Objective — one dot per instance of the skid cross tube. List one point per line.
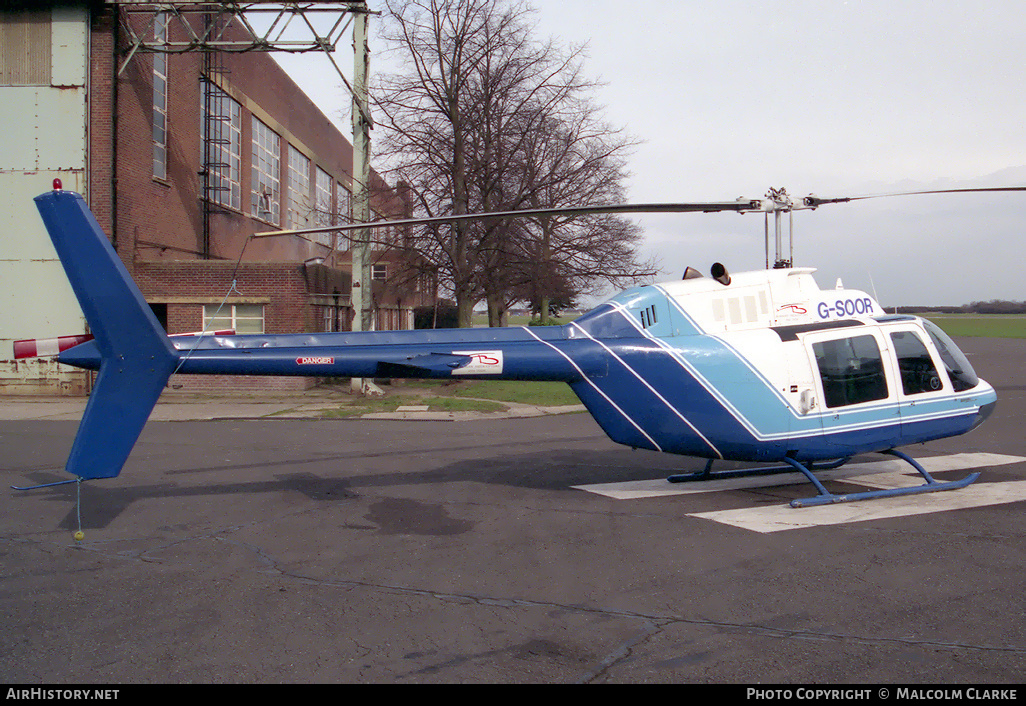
(931, 485)
(825, 497)
(708, 474)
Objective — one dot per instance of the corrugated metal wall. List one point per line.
(25, 48)
(43, 135)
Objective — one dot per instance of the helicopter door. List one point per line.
(918, 376)
(856, 385)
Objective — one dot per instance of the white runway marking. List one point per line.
(891, 473)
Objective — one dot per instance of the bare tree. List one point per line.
(576, 161)
(483, 119)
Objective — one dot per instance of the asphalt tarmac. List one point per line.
(381, 551)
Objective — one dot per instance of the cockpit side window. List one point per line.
(962, 375)
(851, 369)
(918, 373)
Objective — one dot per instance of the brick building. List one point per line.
(182, 156)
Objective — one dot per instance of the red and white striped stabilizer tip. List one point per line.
(43, 347)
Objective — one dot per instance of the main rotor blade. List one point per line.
(741, 205)
(812, 201)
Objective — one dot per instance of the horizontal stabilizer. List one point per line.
(418, 365)
(43, 347)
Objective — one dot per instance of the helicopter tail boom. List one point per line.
(135, 357)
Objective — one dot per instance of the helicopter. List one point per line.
(759, 366)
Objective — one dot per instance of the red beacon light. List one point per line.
(57, 185)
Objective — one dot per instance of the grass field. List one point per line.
(988, 326)
(453, 396)
(544, 394)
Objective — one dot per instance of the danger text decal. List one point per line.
(314, 360)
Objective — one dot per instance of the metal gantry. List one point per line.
(213, 26)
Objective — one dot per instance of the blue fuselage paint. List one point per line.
(686, 394)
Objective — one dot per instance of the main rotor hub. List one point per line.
(777, 200)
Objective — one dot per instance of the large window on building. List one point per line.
(160, 64)
(323, 213)
(344, 207)
(222, 146)
(297, 215)
(266, 197)
(242, 318)
(382, 234)
(852, 370)
(343, 214)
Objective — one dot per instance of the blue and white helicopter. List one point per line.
(752, 367)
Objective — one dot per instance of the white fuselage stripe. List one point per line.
(597, 389)
(652, 389)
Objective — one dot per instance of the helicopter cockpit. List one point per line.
(961, 372)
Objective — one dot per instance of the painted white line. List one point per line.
(778, 518)
(862, 473)
(890, 473)
(659, 487)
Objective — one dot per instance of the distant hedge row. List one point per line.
(994, 306)
(441, 316)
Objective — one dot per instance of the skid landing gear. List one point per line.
(825, 497)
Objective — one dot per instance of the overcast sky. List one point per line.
(822, 96)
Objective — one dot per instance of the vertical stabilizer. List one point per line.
(136, 356)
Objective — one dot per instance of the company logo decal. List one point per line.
(481, 363)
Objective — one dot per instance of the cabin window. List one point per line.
(962, 375)
(852, 371)
(918, 373)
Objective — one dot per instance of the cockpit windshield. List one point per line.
(963, 377)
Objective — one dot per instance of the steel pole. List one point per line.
(362, 298)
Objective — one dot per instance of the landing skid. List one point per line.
(46, 485)
(825, 497)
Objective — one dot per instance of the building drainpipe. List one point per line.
(114, 133)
